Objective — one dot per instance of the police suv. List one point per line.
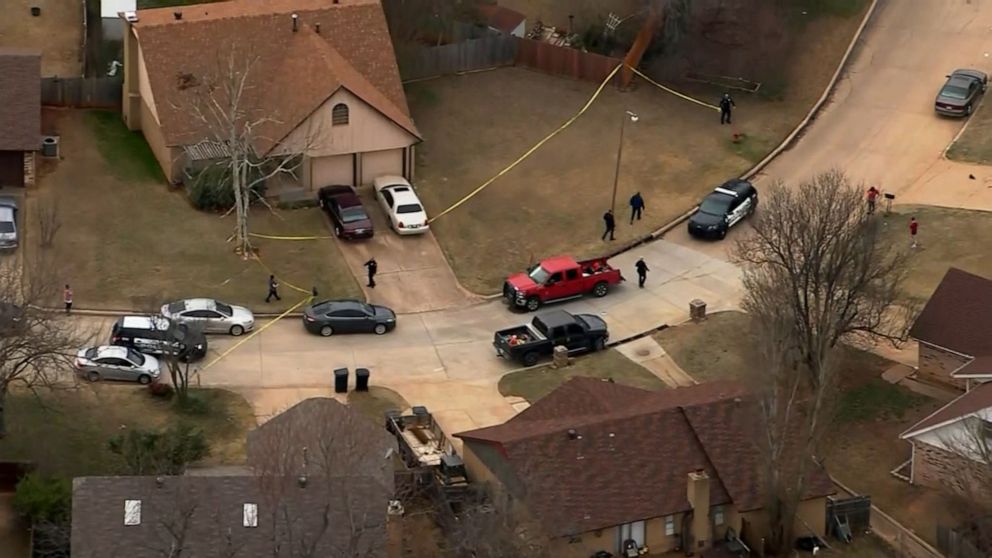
(728, 205)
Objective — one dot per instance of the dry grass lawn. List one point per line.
(57, 33)
(975, 143)
(128, 242)
(376, 401)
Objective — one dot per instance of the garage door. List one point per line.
(378, 163)
(11, 168)
(328, 171)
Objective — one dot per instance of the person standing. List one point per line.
(914, 226)
(372, 268)
(610, 223)
(726, 104)
(67, 298)
(872, 195)
(636, 206)
(273, 289)
(642, 272)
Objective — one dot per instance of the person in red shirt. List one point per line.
(67, 299)
(872, 194)
(914, 225)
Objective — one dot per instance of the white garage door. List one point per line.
(328, 171)
(378, 163)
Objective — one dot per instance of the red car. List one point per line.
(346, 211)
(559, 278)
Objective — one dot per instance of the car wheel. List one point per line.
(601, 289)
(721, 234)
(237, 330)
(531, 358)
(326, 331)
(93, 377)
(533, 303)
(144, 379)
(599, 344)
(379, 329)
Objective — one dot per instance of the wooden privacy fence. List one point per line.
(91, 92)
(950, 542)
(563, 61)
(464, 56)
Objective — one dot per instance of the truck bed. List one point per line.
(526, 333)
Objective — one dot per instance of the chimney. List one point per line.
(698, 494)
(177, 14)
(316, 27)
(295, 22)
(336, 2)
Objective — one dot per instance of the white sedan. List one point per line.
(401, 204)
(111, 362)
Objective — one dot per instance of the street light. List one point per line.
(616, 176)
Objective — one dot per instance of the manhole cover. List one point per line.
(643, 352)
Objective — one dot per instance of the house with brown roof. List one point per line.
(952, 448)
(504, 20)
(20, 115)
(599, 463)
(322, 83)
(954, 331)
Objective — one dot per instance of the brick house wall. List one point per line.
(938, 468)
(936, 365)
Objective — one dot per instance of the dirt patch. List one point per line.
(57, 32)
(128, 242)
(975, 143)
(376, 401)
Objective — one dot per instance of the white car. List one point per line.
(112, 362)
(401, 204)
(8, 222)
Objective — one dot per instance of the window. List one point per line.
(572, 274)
(132, 512)
(250, 515)
(718, 515)
(669, 525)
(339, 115)
(555, 278)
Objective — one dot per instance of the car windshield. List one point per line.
(135, 357)
(352, 214)
(954, 92)
(715, 205)
(6, 227)
(92, 352)
(538, 274)
(409, 208)
(177, 307)
(224, 308)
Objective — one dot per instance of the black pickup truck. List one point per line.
(526, 344)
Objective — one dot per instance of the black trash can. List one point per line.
(361, 379)
(341, 380)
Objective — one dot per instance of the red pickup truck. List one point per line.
(559, 278)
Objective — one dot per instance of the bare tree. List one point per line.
(178, 360)
(970, 480)
(414, 23)
(816, 274)
(490, 526)
(49, 222)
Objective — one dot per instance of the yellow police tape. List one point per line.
(254, 333)
(287, 283)
(672, 91)
(273, 237)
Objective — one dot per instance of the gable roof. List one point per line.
(631, 452)
(975, 400)
(958, 317)
(291, 73)
(20, 100)
(502, 18)
(208, 513)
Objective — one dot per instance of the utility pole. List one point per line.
(616, 175)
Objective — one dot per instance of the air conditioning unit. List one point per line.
(50, 147)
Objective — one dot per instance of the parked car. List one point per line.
(157, 336)
(8, 222)
(348, 316)
(210, 316)
(528, 343)
(110, 362)
(346, 211)
(960, 92)
(402, 206)
(559, 278)
(726, 206)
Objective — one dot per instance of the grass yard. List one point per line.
(129, 242)
(376, 401)
(533, 384)
(703, 351)
(975, 143)
(947, 237)
(65, 432)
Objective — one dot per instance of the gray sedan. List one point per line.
(210, 315)
(113, 362)
(960, 93)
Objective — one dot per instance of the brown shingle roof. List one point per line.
(20, 100)
(635, 452)
(499, 17)
(958, 317)
(292, 73)
(208, 513)
(975, 400)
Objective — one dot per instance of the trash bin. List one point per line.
(341, 380)
(361, 379)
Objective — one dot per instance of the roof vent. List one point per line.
(302, 481)
(177, 14)
(336, 2)
(296, 19)
(316, 27)
(131, 17)
(737, 401)
(160, 481)
(572, 434)
(612, 435)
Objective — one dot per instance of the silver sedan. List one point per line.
(211, 316)
(113, 362)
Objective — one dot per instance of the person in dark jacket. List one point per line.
(642, 272)
(273, 289)
(611, 225)
(372, 267)
(636, 207)
(726, 104)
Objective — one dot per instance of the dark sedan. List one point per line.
(348, 316)
(726, 206)
(961, 92)
(346, 211)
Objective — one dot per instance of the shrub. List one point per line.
(192, 404)
(210, 188)
(162, 452)
(40, 498)
(161, 389)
